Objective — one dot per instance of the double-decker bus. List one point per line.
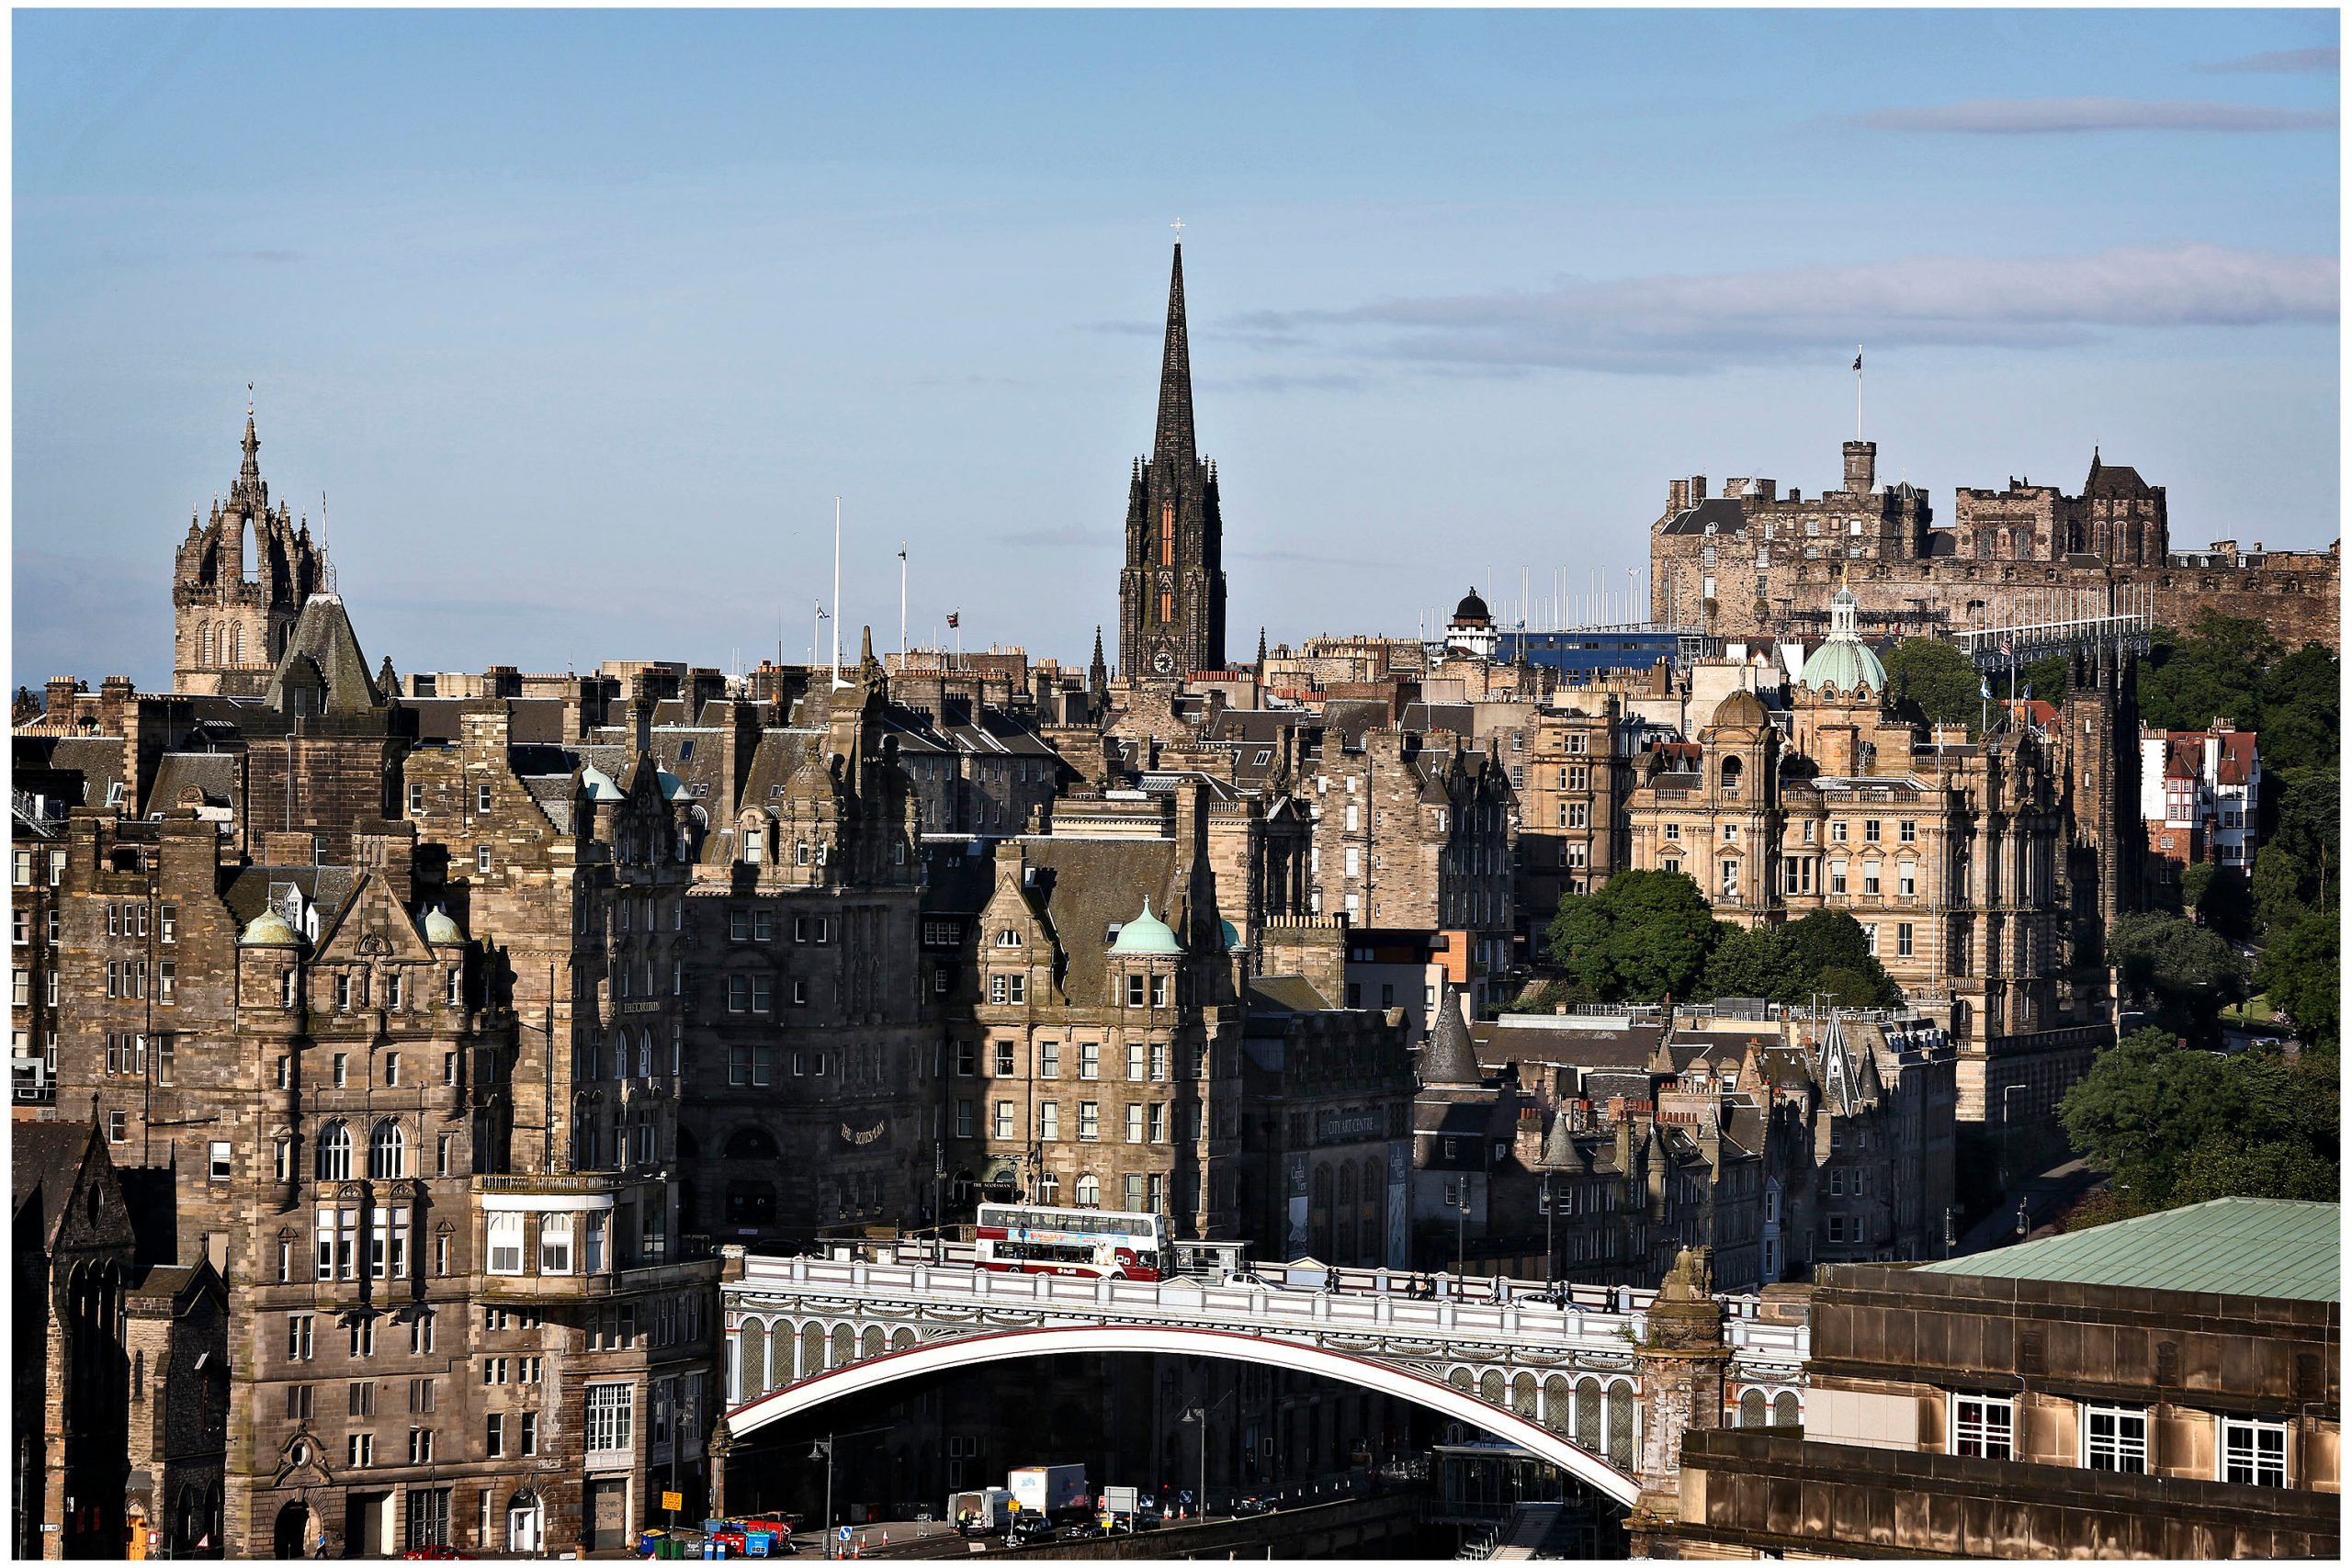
(1025, 1238)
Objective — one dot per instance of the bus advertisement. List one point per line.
(1025, 1238)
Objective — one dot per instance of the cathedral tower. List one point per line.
(240, 582)
(1171, 591)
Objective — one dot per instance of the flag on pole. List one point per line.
(1858, 359)
(955, 617)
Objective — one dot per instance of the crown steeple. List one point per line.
(1173, 440)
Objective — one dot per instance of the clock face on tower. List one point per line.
(1162, 661)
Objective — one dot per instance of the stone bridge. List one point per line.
(1602, 1384)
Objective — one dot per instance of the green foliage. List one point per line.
(2298, 974)
(2173, 1126)
(1758, 963)
(2277, 896)
(1825, 942)
(2188, 972)
(2220, 895)
(1933, 682)
(1645, 936)
(1548, 996)
(2309, 832)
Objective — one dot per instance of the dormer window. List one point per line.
(754, 846)
(1008, 938)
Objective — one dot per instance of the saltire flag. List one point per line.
(955, 617)
(1858, 359)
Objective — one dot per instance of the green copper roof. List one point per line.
(1148, 934)
(2232, 1246)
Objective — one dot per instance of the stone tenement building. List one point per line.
(1753, 562)
(1954, 857)
(1092, 1049)
(243, 575)
(1171, 591)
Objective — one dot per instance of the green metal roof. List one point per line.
(2232, 1246)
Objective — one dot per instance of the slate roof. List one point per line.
(44, 1158)
(323, 649)
(1285, 993)
(2235, 764)
(2114, 480)
(213, 774)
(1723, 514)
(1350, 717)
(2231, 1246)
(327, 887)
(1088, 886)
(1453, 718)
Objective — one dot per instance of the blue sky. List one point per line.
(581, 319)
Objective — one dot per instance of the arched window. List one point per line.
(1089, 1192)
(1522, 1396)
(1732, 769)
(1785, 1411)
(1621, 1425)
(204, 643)
(387, 1150)
(335, 1152)
(1558, 1404)
(236, 645)
(752, 1357)
(1589, 1416)
(1751, 1408)
(555, 1244)
(869, 1344)
(1490, 1388)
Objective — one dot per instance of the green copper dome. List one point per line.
(440, 929)
(1845, 661)
(1148, 936)
(599, 785)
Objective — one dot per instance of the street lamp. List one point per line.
(1201, 1415)
(823, 1448)
(2007, 1090)
(1551, 1252)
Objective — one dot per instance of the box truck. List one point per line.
(1052, 1490)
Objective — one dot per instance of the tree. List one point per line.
(1933, 682)
(2220, 895)
(2172, 1125)
(1645, 936)
(2189, 972)
(1758, 963)
(1827, 940)
(2298, 974)
(2277, 900)
(2309, 829)
(1841, 987)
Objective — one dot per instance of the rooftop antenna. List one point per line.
(326, 557)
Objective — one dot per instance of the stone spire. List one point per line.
(1261, 650)
(1449, 1057)
(1097, 678)
(1173, 440)
(249, 475)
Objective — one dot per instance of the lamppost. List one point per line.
(824, 1447)
(1201, 1415)
(1551, 1253)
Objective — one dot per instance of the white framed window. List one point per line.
(1984, 1427)
(2115, 1438)
(1134, 1124)
(1049, 1120)
(1090, 1120)
(505, 1243)
(2254, 1453)
(555, 1244)
(217, 1161)
(609, 1413)
(481, 860)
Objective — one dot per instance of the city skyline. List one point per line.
(500, 310)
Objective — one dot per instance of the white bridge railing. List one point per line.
(1593, 1318)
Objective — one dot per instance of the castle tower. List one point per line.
(242, 576)
(1171, 591)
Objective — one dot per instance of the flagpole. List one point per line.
(837, 590)
(1858, 391)
(902, 602)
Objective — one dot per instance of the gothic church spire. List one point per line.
(1173, 440)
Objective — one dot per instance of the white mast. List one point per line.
(902, 602)
(837, 592)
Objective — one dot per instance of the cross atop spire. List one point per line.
(1173, 441)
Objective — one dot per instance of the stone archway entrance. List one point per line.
(295, 1533)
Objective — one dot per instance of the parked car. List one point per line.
(435, 1555)
(1031, 1530)
(1245, 1508)
(1079, 1529)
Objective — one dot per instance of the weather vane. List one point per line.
(1179, 227)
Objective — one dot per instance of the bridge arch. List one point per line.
(1019, 1344)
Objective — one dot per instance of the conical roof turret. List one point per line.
(1449, 1058)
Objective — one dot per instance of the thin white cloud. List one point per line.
(1675, 325)
(2278, 62)
(2061, 117)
